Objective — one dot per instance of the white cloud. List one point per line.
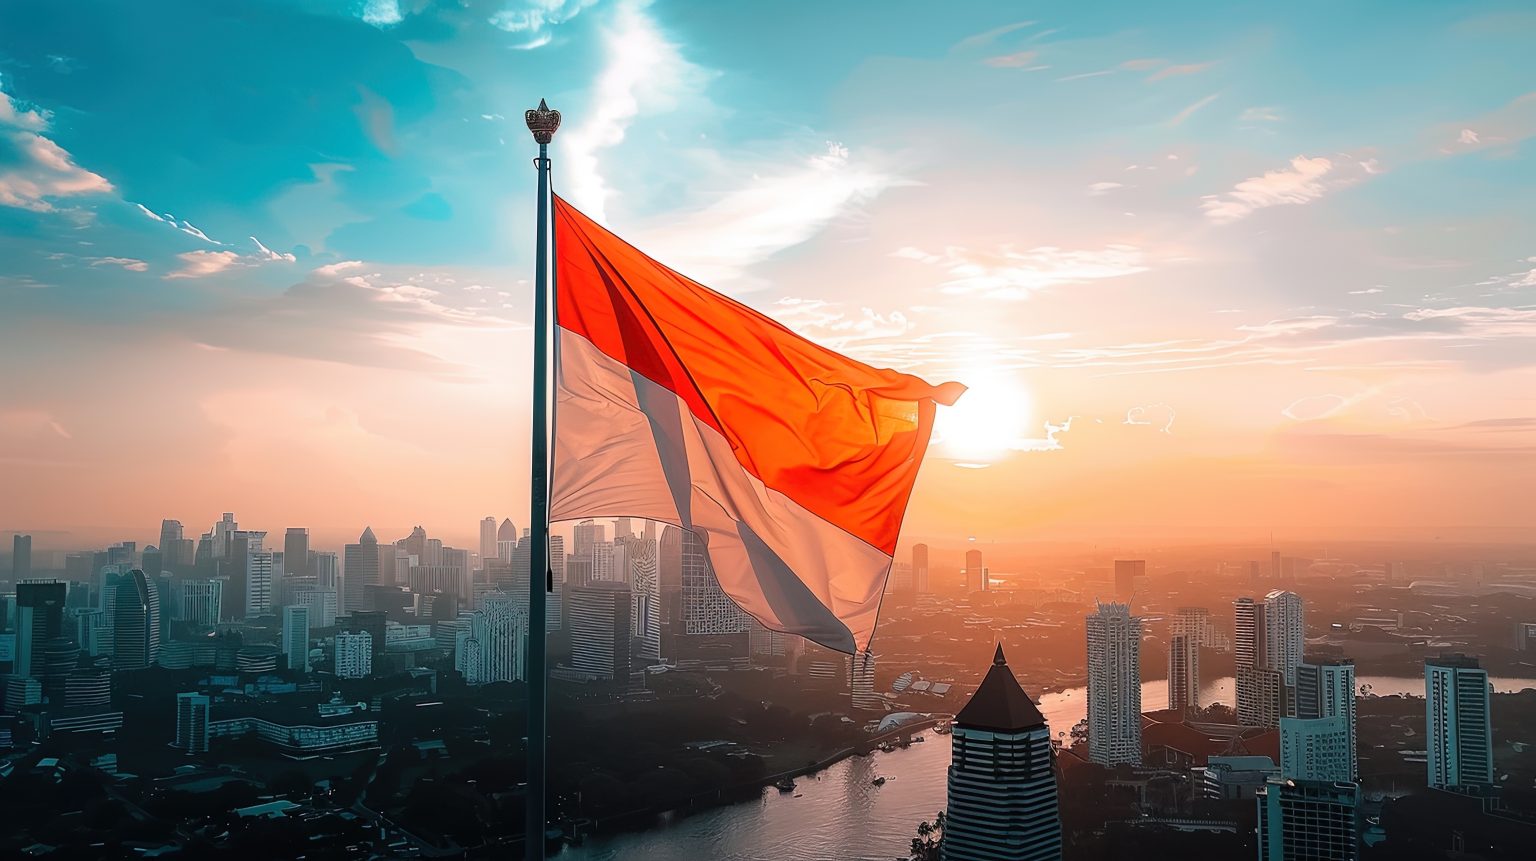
(382, 13)
(1302, 183)
(1467, 136)
(1018, 60)
(1101, 188)
(1160, 416)
(1260, 115)
(836, 326)
(990, 35)
(537, 17)
(642, 68)
(200, 264)
(184, 226)
(129, 263)
(1011, 274)
(37, 170)
(266, 253)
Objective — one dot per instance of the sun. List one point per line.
(986, 423)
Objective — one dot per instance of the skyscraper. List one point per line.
(506, 540)
(39, 618)
(487, 539)
(706, 607)
(1457, 721)
(243, 544)
(1114, 685)
(360, 570)
(201, 602)
(1285, 632)
(295, 552)
(135, 621)
(920, 569)
(496, 636)
(1308, 820)
(323, 566)
(1127, 573)
(1316, 749)
(1261, 689)
(1183, 673)
(645, 588)
(296, 637)
(21, 557)
(354, 654)
(975, 572)
(259, 580)
(192, 722)
(600, 633)
(1325, 689)
(1002, 788)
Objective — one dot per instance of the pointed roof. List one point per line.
(1000, 704)
(506, 532)
(367, 537)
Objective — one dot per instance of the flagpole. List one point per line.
(542, 122)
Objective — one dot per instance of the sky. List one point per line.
(1211, 270)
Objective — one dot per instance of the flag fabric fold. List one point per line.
(793, 464)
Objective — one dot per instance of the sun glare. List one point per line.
(986, 423)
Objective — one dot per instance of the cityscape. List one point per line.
(258, 694)
(660, 430)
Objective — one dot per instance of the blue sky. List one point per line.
(1256, 243)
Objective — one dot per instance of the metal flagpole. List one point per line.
(542, 122)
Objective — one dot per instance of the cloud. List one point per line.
(1468, 136)
(989, 36)
(1049, 442)
(1081, 75)
(1159, 416)
(1101, 188)
(1019, 60)
(266, 253)
(184, 226)
(836, 326)
(1369, 291)
(1499, 129)
(1259, 115)
(642, 67)
(129, 263)
(35, 171)
(1178, 71)
(537, 17)
(1179, 118)
(1008, 273)
(382, 13)
(200, 264)
(1303, 182)
(773, 211)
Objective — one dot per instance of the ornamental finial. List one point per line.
(542, 122)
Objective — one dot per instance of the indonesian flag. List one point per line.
(792, 464)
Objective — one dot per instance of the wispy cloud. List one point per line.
(1158, 416)
(989, 36)
(1305, 180)
(184, 226)
(1259, 115)
(1012, 274)
(1101, 188)
(535, 19)
(129, 263)
(200, 264)
(381, 13)
(1180, 70)
(836, 325)
(1497, 130)
(1179, 118)
(35, 171)
(1017, 60)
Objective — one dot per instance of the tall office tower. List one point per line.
(1261, 689)
(21, 557)
(295, 552)
(706, 607)
(1316, 749)
(1326, 689)
(1274, 565)
(669, 570)
(920, 569)
(201, 602)
(1285, 633)
(554, 601)
(586, 535)
(1308, 820)
(861, 673)
(899, 580)
(135, 622)
(487, 539)
(1183, 673)
(1195, 622)
(622, 528)
(1127, 573)
(222, 534)
(645, 589)
(295, 642)
(1002, 789)
(321, 604)
(192, 722)
(259, 581)
(90, 631)
(496, 635)
(1457, 721)
(171, 532)
(242, 544)
(354, 654)
(603, 563)
(39, 618)
(600, 632)
(154, 563)
(1114, 685)
(359, 571)
(506, 540)
(415, 544)
(975, 573)
(325, 568)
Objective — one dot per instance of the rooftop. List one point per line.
(1000, 704)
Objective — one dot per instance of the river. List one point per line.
(838, 814)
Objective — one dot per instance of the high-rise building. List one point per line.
(920, 569)
(354, 654)
(706, 607)
(360, 570)
(487, 539)
(496, 635)
(645, 589)
(1114, 685)
(506, 540)
(171, 532)
(242, 545)
(1195, 622)
(1325, 689)
(1308, 820)
(1183, 673)
(295, 552)
(201, 602)
(21, 557)
(1128, 572)
(39, 618)
(1002, 787)
(135, 621)
(321, 604)
(1457, 721)
(1285, 633)
(296, 637)
(600, 634)
(323, 567)
(1316, 749)
(260, 577)
(1262, 693)
(975, 572)
(192, 722)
